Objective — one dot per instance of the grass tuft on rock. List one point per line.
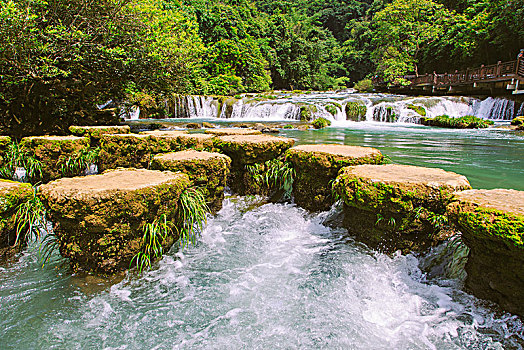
(16, 157)
(466, 122)
(321, 123)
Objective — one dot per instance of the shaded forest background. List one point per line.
(60, 59)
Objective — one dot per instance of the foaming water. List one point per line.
(265, 276)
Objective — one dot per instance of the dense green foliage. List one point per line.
(466, 122)
(60, 59)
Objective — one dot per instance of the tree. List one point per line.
(402, 30)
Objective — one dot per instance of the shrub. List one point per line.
(321, 123)
(365, 85)
(466, 122)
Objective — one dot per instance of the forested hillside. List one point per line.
(60, 59)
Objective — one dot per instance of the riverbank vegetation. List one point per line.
(61, 61)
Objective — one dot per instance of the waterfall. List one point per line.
(384, 108)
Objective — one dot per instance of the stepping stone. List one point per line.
(232, 131)
(199, 142)
(163, 141)
(492, 226)
(99, 219)
(54, 152)
(249, 150)
(316, 166)
(397, 207)
(96, 132)
(206, 170)
(12, 194)
(125, 151)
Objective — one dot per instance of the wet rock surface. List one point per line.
(316, 166)
(124, 150)
(12, 194)
(206, 170)
(397, 207)
(98, 219)
(492, 226)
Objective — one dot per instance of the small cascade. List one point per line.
(494, 109)
(134, 113)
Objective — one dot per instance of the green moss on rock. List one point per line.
(96, 132)
(417, 109)
(356, 111)
(98, 220)
(206, 170)
(317, 165)
(124, 150)
(321, 123)
(492, 226)
(4, 144)
(232, 131)
(53, 152)
(518, 120)
(247, 150)
(397, 207)
(466, 122)
(12, 194)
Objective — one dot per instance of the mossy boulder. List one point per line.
(417, 109)
(199, 142)
(193, 126)
(321, 123)
(356, 111)
(307, 112)
(397, 207)
(12, 194)
(316, 166)
(208, 125)
(206, 170)
(165, 141)
(492, 226)
(466, 122)
(232, 131)
(96, 132)
(248, 150)
(99, 219)
(54, 152)
(124, 150)
(518, 120)
(5, 141)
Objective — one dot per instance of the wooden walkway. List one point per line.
(503, 76)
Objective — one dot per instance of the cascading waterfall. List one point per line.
(332, 105)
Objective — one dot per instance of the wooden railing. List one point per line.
(502, 71)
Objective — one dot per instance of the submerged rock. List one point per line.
(492, 226)
(397, 207)
(12, 194)
(316, 166)
(99, 219)
(55, 153)
(249, 150)
(206, 170)
(232, 131)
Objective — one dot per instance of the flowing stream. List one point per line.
(263, 276)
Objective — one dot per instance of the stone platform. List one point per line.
(99, 219)
(206, 170)
(492, 226)
(232, 131)
(316, 166)
(397, 207)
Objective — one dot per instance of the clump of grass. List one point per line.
(356, 111)
(16, 157)
(417, 109)
(78, 162)
(274, 175)
(187, 225)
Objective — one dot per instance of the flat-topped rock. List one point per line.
(232, 131)
(397, 207)
(124, 150)
(55, 152)
(163, 141)
(12, 194)
(199, 142)
(207, 170)
(97, 131)
(249, 150)
(492, 226)
(316, 166)
(99, 219)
